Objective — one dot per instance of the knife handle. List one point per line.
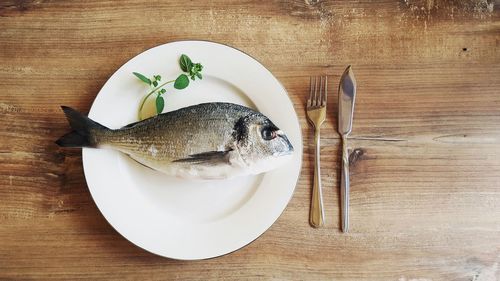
(316, 214)
(344, 186)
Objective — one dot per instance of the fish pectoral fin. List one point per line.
(137, 161)
(210, 157)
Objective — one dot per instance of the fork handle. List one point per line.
(316, 215)
(344, 186)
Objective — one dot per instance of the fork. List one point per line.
(316, 114)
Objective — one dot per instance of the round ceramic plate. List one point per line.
(185, 219)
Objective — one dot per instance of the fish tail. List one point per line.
(84, 130)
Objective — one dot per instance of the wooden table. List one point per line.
(425, 200)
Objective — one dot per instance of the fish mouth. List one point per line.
(288, 143)
(289, 147)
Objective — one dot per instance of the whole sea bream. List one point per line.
(204, 141)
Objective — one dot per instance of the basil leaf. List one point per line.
(181, 82)
(142, 77)
(185, 63)
(160, 104)
(198, 67)
(155, 83)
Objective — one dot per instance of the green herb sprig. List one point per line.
(190, 69)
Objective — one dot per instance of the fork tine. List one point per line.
(315, 91)
(318, 91)
(325, 95)
(309, 100)
(320, 98)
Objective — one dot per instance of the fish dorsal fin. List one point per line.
(141, 121)
(210, 157)
(131, 125)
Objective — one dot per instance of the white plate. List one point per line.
(184, 219)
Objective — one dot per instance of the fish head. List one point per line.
(261, 144)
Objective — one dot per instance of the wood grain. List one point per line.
(425, 201)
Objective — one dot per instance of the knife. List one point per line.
(347, 96)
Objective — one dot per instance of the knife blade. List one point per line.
(347, 97)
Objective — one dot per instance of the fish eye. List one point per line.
(268, 134)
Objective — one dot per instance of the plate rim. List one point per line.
(300, 155)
